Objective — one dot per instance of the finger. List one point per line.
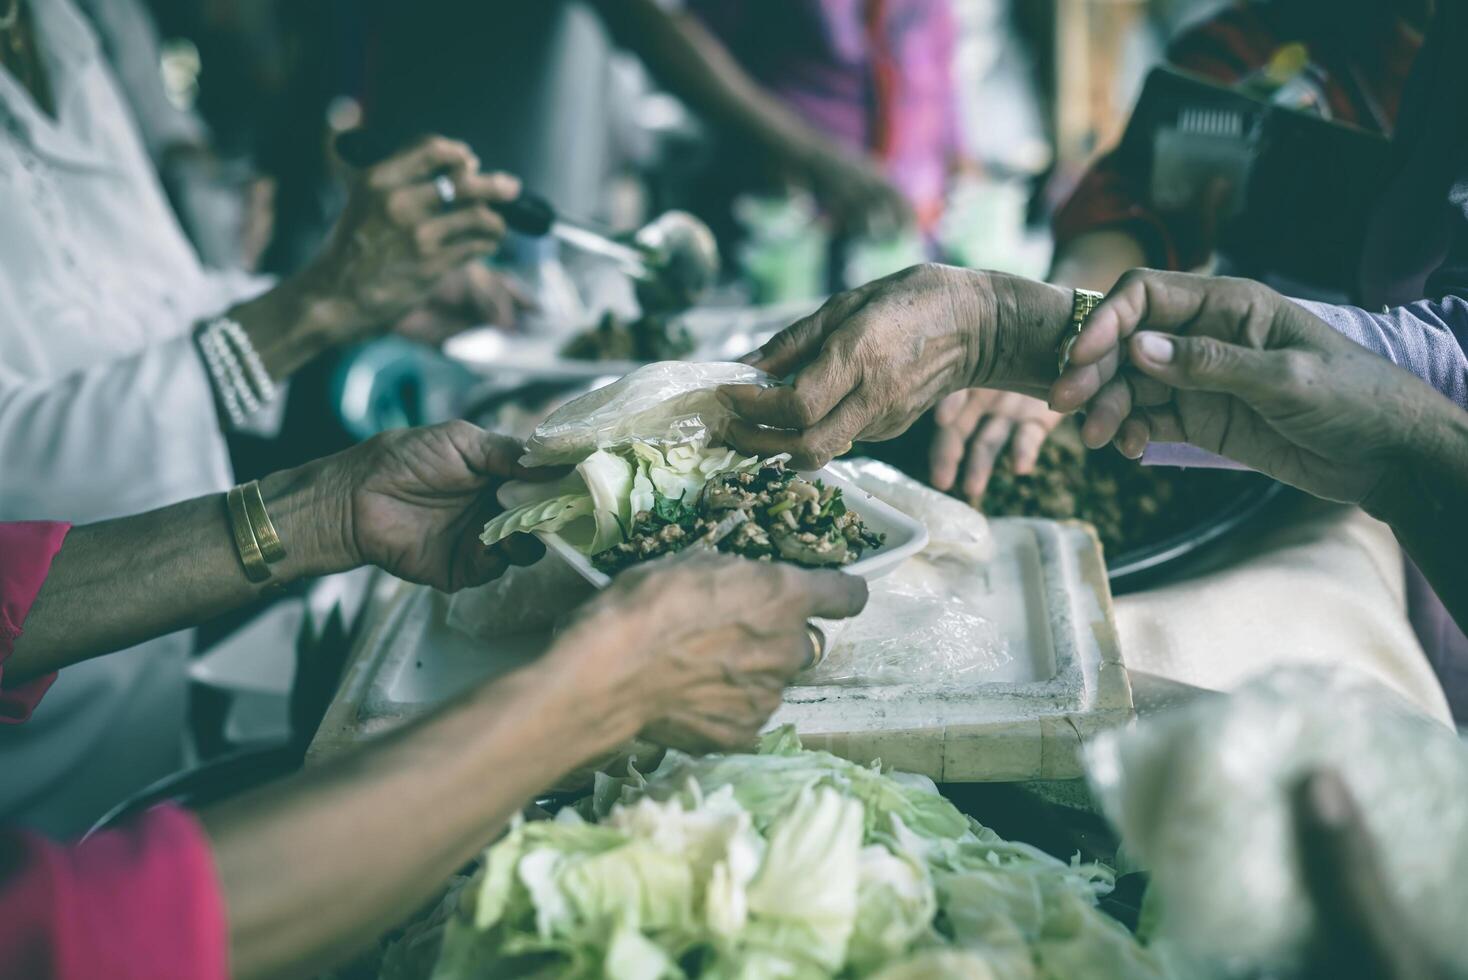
(799, 342)
(829, 594)
(484, 565)
(952, 406)
(431, 155)
(1132, 438)
(1266, 380)
(522, 549)
(1080, 383)
(811, 448)
(1147, 391)
(1358, 918)
(476, 222)
(1160, 300)
(414, 202)
(816, 391)
(494, 455)
(983, 452)
(1106, 412)
(1026, 444)
(943, 458)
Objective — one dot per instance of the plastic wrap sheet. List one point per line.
(954, 528)
(924, 623)
(1202, 796)
(670, 401)
(526, 599)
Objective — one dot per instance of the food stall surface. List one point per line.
(1052, 672)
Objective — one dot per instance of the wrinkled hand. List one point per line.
(472, 295)
(1236, 369)
(873, 359)
(976, 424)
(1360, 930)
(414, 501)
(396, 240)
(704, 644)
(866, 364)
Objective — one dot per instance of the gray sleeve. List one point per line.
(1426, 338)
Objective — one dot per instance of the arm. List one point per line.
(1424, 500)
(318, 865)
(1426, 338)
(1235, 369)
(409, 501)
(692, 63)
(117, 583)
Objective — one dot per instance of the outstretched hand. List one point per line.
(415, 501)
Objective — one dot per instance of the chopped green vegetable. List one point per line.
(786, 865)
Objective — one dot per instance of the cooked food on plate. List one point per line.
(627, 505)
(764, 514)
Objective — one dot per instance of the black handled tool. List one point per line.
(528, 214)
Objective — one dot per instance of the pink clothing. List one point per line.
(139, 901)
(876, 75)
(26, 550)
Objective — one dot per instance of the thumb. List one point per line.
(798, 343)
(1208, 364)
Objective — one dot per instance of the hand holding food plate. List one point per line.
(651, 479)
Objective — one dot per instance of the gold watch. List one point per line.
(1081, 307)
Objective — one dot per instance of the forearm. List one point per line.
(1018, 324)
(1424, 503)
(695, 66)
(292, 323)
(1424, 338)
(120, 582)
(319, 864)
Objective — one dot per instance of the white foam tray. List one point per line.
(1047, 591)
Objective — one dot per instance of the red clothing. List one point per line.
(1363, 89)
(140, 901)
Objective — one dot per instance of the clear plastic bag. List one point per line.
(924, 623)
(914, 630)
(670, 401)
(526, 599)
(954, 528)
(1202, 796)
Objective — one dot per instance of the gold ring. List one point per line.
(817, 638)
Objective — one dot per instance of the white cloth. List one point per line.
(105, 407)
(1325, 589)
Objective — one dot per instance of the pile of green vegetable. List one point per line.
(785, 864)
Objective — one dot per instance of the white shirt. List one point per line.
(105, 407)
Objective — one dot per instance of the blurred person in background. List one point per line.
(124, 362)
(1357, 58)
(273, 882)
(527, 85)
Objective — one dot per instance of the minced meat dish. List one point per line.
(775, 514)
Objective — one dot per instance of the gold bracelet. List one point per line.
(256, 570)
(261, 524)
(1081, 307)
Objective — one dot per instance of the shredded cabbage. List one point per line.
(781, 865)
(593, 507)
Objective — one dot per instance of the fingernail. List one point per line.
(1156, 347)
